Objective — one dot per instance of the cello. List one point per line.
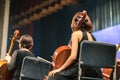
(4, 73)
(108, 72)
(59, 57)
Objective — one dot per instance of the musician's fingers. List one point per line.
(7, 54)
(8, 58)
(53, 74)
(50, 73)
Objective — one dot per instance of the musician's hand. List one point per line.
(8, 58)
(52, 73)
(45, 78)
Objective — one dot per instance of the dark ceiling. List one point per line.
(25, 11)
(18, 6)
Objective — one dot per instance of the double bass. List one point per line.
(5, 74)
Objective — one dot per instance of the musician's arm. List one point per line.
(72, 56)
(11, 64)
(74, 49)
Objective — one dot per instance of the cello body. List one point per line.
(107, 73)
(60, 55)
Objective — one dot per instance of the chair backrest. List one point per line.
(98, 54)
(34, 68)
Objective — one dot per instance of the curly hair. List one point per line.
(82, 17)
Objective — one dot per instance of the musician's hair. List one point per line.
(86, 25)
(26, 41)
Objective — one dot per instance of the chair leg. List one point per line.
(114, 74)
(79, 73)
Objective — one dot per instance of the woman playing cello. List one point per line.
(81, 26)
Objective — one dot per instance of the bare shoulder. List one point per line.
(77, 33)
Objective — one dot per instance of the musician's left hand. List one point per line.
(52, 73)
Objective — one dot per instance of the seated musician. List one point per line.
(81, 26)
(15, 61)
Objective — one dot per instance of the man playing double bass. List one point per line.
(15, 61)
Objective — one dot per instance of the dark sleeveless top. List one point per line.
(83, 38)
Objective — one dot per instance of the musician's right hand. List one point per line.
(53, 72)
(8, 58)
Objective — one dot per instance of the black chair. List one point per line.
(34, 68)
(96, 54)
